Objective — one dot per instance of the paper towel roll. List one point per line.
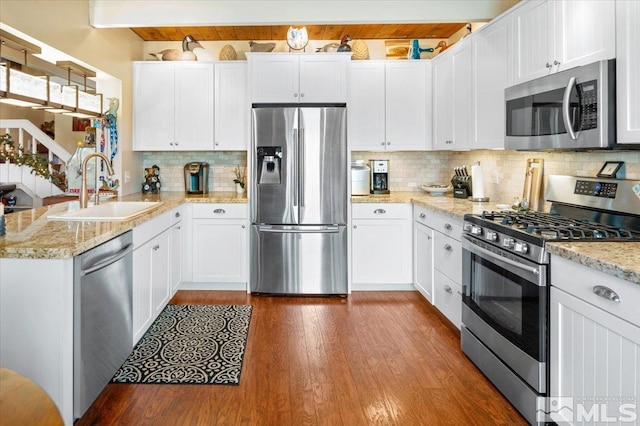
(477, 179)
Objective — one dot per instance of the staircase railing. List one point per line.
(28, 138)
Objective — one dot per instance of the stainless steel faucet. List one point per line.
(84, 196)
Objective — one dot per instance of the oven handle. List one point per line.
(476, 249)
(566, 115)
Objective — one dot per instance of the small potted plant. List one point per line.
(241, 174)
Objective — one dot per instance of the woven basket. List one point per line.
(228, 53)
(360, 50)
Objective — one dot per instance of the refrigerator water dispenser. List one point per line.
(269, 164)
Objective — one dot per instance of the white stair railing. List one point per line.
(29, 138)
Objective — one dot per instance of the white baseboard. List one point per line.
(382, 287)
(212, 286)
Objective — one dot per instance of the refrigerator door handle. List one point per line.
(301, 164)
(294, 170)
(285, 229)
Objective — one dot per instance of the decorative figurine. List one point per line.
(151, 182)
(416, 50)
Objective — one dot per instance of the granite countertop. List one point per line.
(30, 235)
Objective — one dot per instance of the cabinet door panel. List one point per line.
(142, 273)
(593, 353)
(194, 107)
(381, 252)
(323, 78)
(153, 117)
(176, 257)
(423, 260)
(219, 253)
(274, 78)
(462, 103)
(231, 106)
(584, 32)
(160, 287)
(442, 102)
(627, 71)
(447, 296)
(533, 44)
(405, 105)
(366, 114)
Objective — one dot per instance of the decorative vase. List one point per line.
(239, 189)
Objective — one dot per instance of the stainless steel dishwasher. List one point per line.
(102, 317)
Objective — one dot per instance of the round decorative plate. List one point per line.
(436, 189)
(297, 38)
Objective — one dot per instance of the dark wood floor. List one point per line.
(384, 358)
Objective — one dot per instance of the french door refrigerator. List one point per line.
(299, 199)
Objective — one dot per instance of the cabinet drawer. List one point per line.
(219, 211)
(448, 297)
(151, 228)
(579, 281)
(423, 216)
(447, 256)
(176, 215)
(447, 225)
(381, 211)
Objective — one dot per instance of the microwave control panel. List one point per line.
(596, 189)
(588, 105)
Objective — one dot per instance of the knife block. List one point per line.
(461, 186)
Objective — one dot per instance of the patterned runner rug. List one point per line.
(190, 344)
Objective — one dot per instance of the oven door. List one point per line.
(505, 306)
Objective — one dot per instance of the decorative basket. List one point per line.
(228, 53)
(360, 50)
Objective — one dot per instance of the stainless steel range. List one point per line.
(506, 270)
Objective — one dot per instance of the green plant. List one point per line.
(39, 164)
(241, 175)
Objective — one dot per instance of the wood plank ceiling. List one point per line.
(316, 32)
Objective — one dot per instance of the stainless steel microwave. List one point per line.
(570, 110)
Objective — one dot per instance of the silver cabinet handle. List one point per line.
(606, 293)
(382, 143)
(548, 65)
(355, 226)
(219, 211)
(459, 292)
(448, 289)
(448, 247)
(379, 211)
(177, 214)
(422, 215)
(243, 226)
(448, 226)
(555, 62)
(388, 143)
(156, 247)
(295, 95)
(302, 95)
(177, 227)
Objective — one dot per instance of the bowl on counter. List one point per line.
(436, 190)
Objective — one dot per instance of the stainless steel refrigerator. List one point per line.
(299, 199)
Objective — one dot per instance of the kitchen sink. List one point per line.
(111, 211)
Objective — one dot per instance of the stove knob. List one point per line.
(491, 236)
(466, 227)
(476, 230)
(521, 248)
(508, 243)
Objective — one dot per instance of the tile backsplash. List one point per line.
(504, 171)
(221, 166)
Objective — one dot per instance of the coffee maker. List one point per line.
(379, 176)
(196, 178)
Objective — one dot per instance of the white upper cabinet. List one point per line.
(628, 71)
(555, 35)
(491, 75)
(231, 106)
(452, 106)
(173, 106)
(389, 105)
(298, 77)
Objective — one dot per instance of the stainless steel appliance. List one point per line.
(102, 317)
(299, 200)
(505, 277)
(572, 109)
(196, 178)
(379, 176)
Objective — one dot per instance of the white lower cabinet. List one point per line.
(152, 272)
(595, 344)
(448, 297)
(423, 252)
(381, 247)
(176, 241)
(219, 235)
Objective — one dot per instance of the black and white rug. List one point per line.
(190, 344)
